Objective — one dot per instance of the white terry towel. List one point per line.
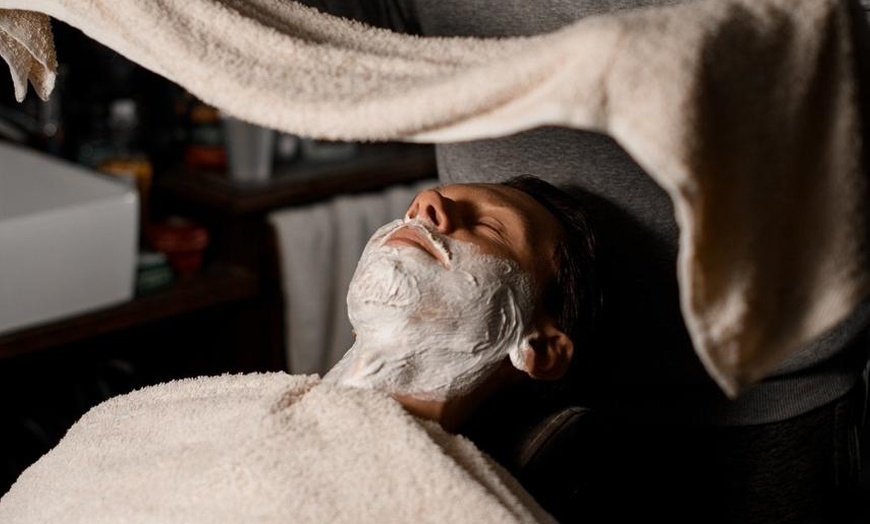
(319, 246)
(263, 449)
(744, 111)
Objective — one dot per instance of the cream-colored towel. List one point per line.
(27, 45)
(743, 110)
(261, 449)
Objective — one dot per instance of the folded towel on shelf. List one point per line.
(744, 111)
(258, 449)
(319, 246)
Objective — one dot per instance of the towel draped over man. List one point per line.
(745, 111)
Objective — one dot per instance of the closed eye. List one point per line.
(491, 225)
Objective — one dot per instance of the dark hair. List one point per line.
(573, 298)
(503, 425)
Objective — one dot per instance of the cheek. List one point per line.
(544, 272)
(484, 244)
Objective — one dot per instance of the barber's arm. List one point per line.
(398, 15)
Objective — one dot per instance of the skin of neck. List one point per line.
(452, 413)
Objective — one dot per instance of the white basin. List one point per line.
(68, 239)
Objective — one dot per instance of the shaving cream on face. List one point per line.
(430, 331)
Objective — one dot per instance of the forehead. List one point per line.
(502, 198)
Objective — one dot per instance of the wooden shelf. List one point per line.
(375, 166)
(211, 287)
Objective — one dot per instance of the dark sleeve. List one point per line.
(397, 15)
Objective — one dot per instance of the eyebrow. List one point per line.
(498, 201)
(515, 213)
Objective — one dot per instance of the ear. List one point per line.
(548, 352)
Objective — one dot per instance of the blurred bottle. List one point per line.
(126, 156)
(52, 131)
(250, 151)
(205, 148)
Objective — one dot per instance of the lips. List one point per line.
(418, 238)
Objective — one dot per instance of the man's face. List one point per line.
(499, 220)
(443, 297)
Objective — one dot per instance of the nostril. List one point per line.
(432, 215)
(430, 207)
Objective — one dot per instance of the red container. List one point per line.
(183, 241)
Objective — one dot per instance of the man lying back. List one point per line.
(478, 287)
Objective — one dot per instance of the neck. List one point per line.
(452, 413)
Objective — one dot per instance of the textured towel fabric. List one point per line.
(27, 45)
(262, 448)
(744, 111)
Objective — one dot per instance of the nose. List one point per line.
(432, 207)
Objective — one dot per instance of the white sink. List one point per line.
(68, 239)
